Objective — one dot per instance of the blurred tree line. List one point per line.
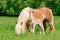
(13, 7)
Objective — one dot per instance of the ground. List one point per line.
(7, 30)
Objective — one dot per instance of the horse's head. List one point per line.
(19, 29)
(22, 20)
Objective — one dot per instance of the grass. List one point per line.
(7, 30)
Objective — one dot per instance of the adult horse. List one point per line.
(40, 16)
(23, 19)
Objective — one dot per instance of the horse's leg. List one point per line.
(33, 28)
(29, 26)
(44, 23)
(51, 26)
(42, 27)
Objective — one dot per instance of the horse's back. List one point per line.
(47, 13)
(37, 14)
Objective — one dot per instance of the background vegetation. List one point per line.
(13, 7)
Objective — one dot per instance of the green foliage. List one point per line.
(13, 7)
(55, 6)
(57, 10)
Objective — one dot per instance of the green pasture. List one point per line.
(7, 30)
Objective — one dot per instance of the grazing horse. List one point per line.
(23, 19)
(31, 17)
(40, 16)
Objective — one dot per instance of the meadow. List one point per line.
(7, 30)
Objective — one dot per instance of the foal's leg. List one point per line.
(33, 28)
(42, 27)
(51, 26)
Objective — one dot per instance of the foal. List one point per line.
(40, 16)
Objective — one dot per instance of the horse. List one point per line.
(23, 21)
(39, 17)
(31, 17)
